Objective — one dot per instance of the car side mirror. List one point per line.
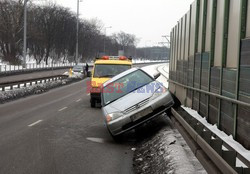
(157, 75)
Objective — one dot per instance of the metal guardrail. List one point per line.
(18, 83)
(206, 146)
(12, 69)
(212, 94)
(203, 141)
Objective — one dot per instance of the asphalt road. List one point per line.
(58, 132)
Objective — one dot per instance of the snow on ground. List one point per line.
(6, 96)
(222, 135)
(165, 152)
(154, 69)
(147, 61)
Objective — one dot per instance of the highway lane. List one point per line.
(27, 76)
(58, 132)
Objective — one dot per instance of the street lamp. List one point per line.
(77, 31)
(168, 42)
(25, 34)
(104, 44)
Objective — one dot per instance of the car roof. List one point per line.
(78, 65)
(119, 76)
(119, 62)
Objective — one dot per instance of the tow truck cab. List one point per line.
(105, 68)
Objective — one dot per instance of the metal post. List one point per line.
(25, 33)
(77, 30)
(104, 45)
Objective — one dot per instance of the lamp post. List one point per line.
(25, 34)
(104, 43)
(168, 42)
(77, 32)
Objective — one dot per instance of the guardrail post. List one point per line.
(216, 144)
(229, 157)
(206, 135)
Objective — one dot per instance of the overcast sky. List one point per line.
(147, 19)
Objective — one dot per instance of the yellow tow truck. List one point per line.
(105, 68)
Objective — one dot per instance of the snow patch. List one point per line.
(16, 93)
(222, 135)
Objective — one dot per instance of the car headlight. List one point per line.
(113, 116)
(158, 92)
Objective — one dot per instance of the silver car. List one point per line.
(132, 98)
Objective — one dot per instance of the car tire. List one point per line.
(116, 138)
(168, 112)
(92, 103)
(177, 102)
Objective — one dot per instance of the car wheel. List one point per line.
(169, 112)
(92, 103)
(116, 138)
(177, 102)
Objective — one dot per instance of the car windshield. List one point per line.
(103, 70)
(78, 67)
(125, 85)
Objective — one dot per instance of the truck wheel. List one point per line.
(92, 103)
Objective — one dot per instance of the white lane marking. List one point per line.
(62, 109)
(88, 94)
(96, 140)
(78, 100)
(33, 124)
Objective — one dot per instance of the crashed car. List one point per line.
(131, 99)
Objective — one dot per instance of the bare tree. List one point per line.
(11, 14)
(51, 34)
(125, 40)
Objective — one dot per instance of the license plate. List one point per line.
(141, 114)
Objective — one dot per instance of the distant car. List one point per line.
(78, 69)
(131, 99)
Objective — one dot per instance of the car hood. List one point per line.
(97, 82)
(129, 100)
